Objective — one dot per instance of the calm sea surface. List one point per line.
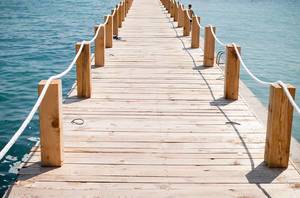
(37, 40)
(268, 32)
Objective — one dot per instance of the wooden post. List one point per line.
(172, 9)
(100, 47)
(180, 15)
(164, 3)
(108, 31)
(195, 32)
(126, 7)
(190, 12)
(115, 22)
(123, 10)
(51, 127)
(187, 24)
(168, 5)
(130, 3)
(119, 16)
(279, 127)
(175, 11)
(83, 71)
(232, 73)
(209, 47)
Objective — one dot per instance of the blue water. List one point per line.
(268, 33)
(37, 40)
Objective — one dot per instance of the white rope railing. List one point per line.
(188, 14)
(282, 84)
(247, 70)
(37, 104)
(181, 7)
(42, 95)
(264, 83)
(96, 35)
(198, 23)
(216, 38)
(288, 94)
(97, 32)
(212, 32)
(114, 12)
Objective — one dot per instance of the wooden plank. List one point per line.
(157, 125)
(49, 189)
(175, 174)
(162, 150)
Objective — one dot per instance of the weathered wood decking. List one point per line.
(157, 126)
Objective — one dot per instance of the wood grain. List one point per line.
(279, 127)
(157, 125)
(51, 126)
(195, 33)
(209, 47)
(100, 43)
(232, 73)
(83, 71)
(109, 31)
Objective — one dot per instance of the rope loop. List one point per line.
(259, 81)
(35, 107)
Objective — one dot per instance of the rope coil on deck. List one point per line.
(43, 93)
(264, 83)
(261, 82)
(37, 104)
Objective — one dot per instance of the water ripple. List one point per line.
(37, 40)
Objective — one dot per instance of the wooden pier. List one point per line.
(156, 125)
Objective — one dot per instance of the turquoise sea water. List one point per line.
(37, 40)
(268, 32)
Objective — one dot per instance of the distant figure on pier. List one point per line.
(191, 12)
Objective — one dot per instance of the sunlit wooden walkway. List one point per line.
(157, 126)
